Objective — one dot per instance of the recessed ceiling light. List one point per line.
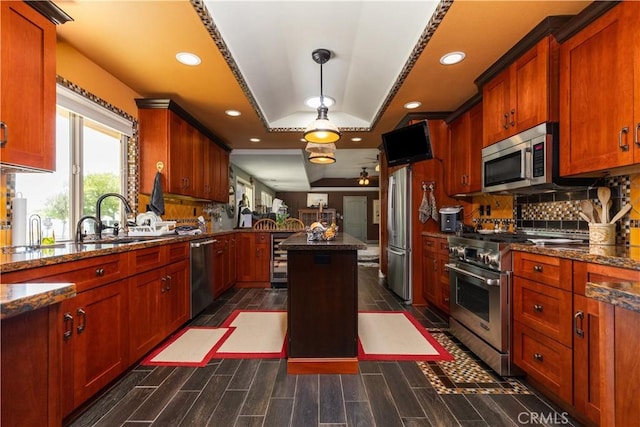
(254, 139)
(452, 58)
(303, 140)
(232, 113)
(413, 104)
(356, 139)
(314, 101)
(188, 58)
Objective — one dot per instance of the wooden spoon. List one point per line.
(587, 209)
(626, 208)
(604, 195)
(597, 214)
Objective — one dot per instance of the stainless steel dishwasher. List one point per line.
(201, 275)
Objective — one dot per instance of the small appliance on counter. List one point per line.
(450, 218)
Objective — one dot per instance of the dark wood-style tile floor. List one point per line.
(258, 392)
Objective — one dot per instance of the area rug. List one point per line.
(465, 374)
(255, 334)
(193, 346)
(385, 335)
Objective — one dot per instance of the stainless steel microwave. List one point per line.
(526, 163)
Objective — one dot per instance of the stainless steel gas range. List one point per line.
(480, 278)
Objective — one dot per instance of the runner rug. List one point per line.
(262, 334)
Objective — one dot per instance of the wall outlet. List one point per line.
(481, 210)
(488, 210)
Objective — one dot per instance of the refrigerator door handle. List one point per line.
(396, 252)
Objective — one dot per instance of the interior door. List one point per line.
(355, 216)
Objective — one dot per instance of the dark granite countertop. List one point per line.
(342, 242)
(20, 298)
(615, 256)
(621, 294)
(69, 251)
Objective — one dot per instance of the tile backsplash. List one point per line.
(559, 211)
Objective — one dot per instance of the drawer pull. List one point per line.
(538, 357)
(68, 331)
(579, 331)
(82, 315)
(169, 280)
(506, 121)
(537, 268)
(100, 272)
(513, 118)
(537, 307)
(163, 280)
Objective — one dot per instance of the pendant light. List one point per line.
(321, 153)
(322, 158)
(321, 130)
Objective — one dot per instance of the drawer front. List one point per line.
(544, 309)
(177, 252)
(443, 247)
(432, 244)
(544, 359)
(263, 238)
(548, 270)
(146, 259)
(86, 274)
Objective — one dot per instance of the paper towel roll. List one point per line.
(18, 221)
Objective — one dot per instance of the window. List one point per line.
(266, 200)
(91, 144)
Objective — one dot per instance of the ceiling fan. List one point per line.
(372, 161)
(364, 177)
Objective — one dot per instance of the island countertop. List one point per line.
(22, 297)
(342, 242)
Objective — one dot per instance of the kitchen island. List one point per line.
(322, 304)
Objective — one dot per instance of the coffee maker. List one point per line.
(451, 219)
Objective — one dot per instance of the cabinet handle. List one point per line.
(163, 279)
(579, 331)
(435, 265)
(537, 268)
(68, 331)
(446, 269)
(100, 272)
(539, 357)
(506, 121)
(513, 117)
(5, 134)
(623, 147)
(169, 280)
(637, 134)
(446, 299)
(82, 315)
(537, 307)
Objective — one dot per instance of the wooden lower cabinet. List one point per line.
(253, 259)
(159, 304)
(30, 371)
(435, 275)
(94, 342)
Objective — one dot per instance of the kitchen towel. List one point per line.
(424, 211)
(18, 221)
(432, 203)
(157, 198)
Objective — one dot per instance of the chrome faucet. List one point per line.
(35, 220)
(79, 235)
(100, 226)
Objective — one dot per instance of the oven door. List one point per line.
(479, 302)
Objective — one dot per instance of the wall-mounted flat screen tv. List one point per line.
(407, 144)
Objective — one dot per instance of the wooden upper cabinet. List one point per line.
(464, 174)
(192, 160)
(599, 107)
(28, 87)
(523, 95)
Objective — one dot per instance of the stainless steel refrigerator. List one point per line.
(399, 273)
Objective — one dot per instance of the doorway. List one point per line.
(355, 216)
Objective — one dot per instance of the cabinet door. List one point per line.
(232, 261)
(207, 167)
(430, 276)
(246, 257)
(195, 145)
(97, 347)
(223, 177)
(145, 313)
(495, 99)
(596, 93)
(28, 86)
(218, 268)
(531, 94)
(459, 138)
(586, 360)
(179, 158)
(444, 291)
(263, 257)
(176, 295)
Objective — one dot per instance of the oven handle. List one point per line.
(488, 282)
